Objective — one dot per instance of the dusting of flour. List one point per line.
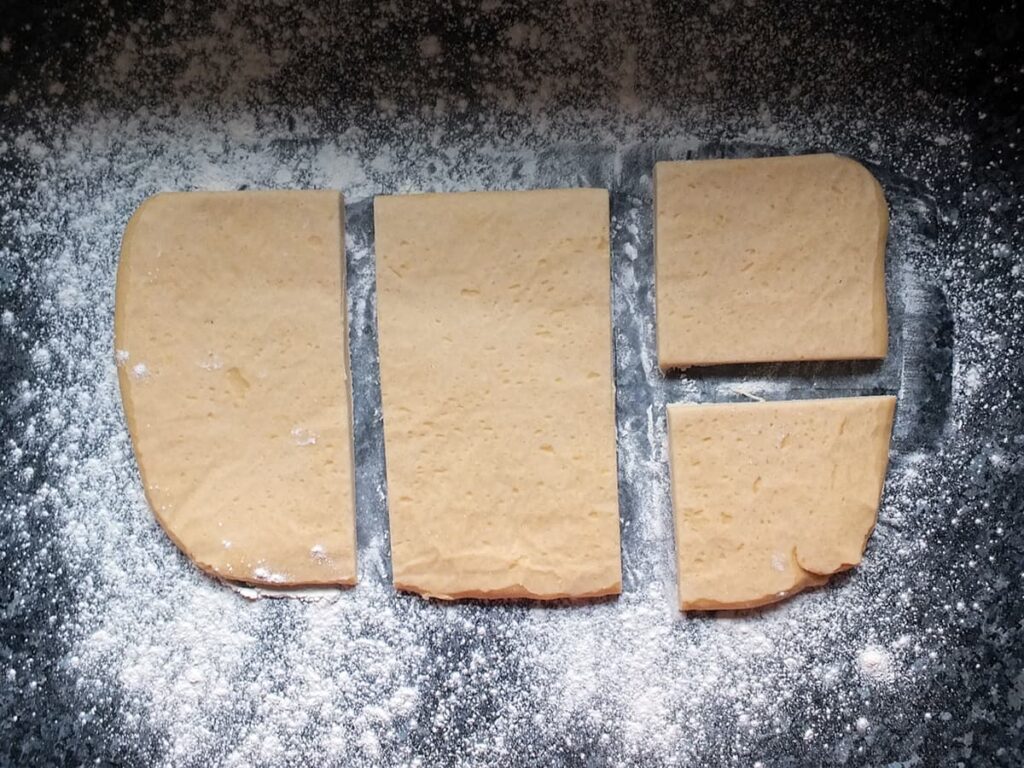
(172, 666)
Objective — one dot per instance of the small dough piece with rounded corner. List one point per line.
(230, 331)
(769, 260)
(771, 498)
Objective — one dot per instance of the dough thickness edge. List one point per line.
(512, 592)
(812, 581)
(123, 267)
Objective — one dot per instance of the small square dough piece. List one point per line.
(772, 498)
(496, 369)
(232, 349)
(771, 259)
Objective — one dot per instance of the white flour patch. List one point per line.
(266, 575)
(211, 362)
(41, 357)
(875, 664)
(303, 436)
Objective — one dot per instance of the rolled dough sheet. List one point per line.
(231, 340)
(496, 369)
(771, 259)
(771, 498)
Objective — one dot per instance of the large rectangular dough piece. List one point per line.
(232, 345)
(496, 370)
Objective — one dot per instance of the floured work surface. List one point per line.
(495, 353)
(771, 498)
(561, 682)
(231, 338)
(769, 259)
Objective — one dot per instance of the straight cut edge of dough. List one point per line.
(509, 592)
(807, 578)
(349, 578)
(879, 310)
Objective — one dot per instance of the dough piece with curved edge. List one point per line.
(230, 331)
(771, 498)
(496, 370)
(768, 260)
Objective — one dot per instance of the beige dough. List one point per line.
(232, 350)
(496, 370)
(771, 498)
(769, 260)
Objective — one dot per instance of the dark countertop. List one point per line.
(736, 78)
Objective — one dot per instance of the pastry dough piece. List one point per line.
(771, 498)
(232, 345)
(767, 260)
(496, 370)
